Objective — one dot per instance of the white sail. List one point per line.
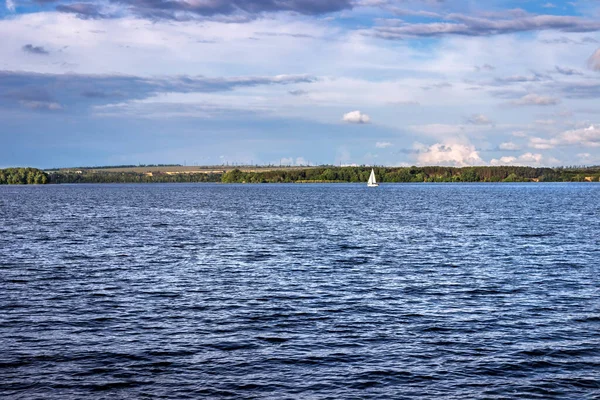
(372, 181)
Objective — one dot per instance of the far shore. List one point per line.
(296, 174)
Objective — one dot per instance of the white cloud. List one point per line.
(10, 5)
(536, 100)
(541, 143)
(508, 146)
(588, 137)
(356, 117)
(527, 159)
(450, 154)
(531, 158)
(506, 160)
(383, 145)
(594, 61)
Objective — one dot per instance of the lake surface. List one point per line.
(429, 291)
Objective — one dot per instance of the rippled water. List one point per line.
(423, 291)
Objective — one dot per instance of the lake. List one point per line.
(325, 291)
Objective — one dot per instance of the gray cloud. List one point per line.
(273, 34)
(83, 10)
(298, 92)
(566, 40)
(536, 77)
(441, 85)
(578, 90)
(536, 100)
(31, 97)
(473, 26)
(33, 90)
(99, 94)
(485, 67)
(567, 71)
(29, 48)
(179, 9)
(478, 119)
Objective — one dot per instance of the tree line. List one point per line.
(312, 174)
(22, 176)
(416, 174)
(84, 176)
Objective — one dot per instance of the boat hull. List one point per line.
(372, 184)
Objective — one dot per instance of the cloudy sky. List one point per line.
(386, 82)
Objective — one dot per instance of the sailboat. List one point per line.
(372, 181)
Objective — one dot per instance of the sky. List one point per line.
(299, 82)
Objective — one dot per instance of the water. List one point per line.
(425, 291)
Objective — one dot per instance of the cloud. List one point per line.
(536, 100)
(584, 137)
(479, 119)
(284, 34)
(578, 90)
(594, 61)
(33, 90)
(485, 67)
(532, 159)
(383, 145)
(356, 117)
(99, 94)
(29, 48)
(83, 10)
(465, 25)
(508, 146)
(417, 13)
(298, 92)
(566, 40)
(41, 105)
(506, 160)
(542, 144)
(10, 5)
(567, 71)
(589, 137)
(246, 10)
(522, 78)
(449, 154)
(441, 85)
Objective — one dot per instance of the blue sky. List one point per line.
(381, 82)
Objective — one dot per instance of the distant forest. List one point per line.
(311, 174)
(343, 174)
(416, 174)
(22, 176)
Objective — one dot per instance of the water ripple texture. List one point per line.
(428, 291)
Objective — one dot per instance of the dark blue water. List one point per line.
(429, 291)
